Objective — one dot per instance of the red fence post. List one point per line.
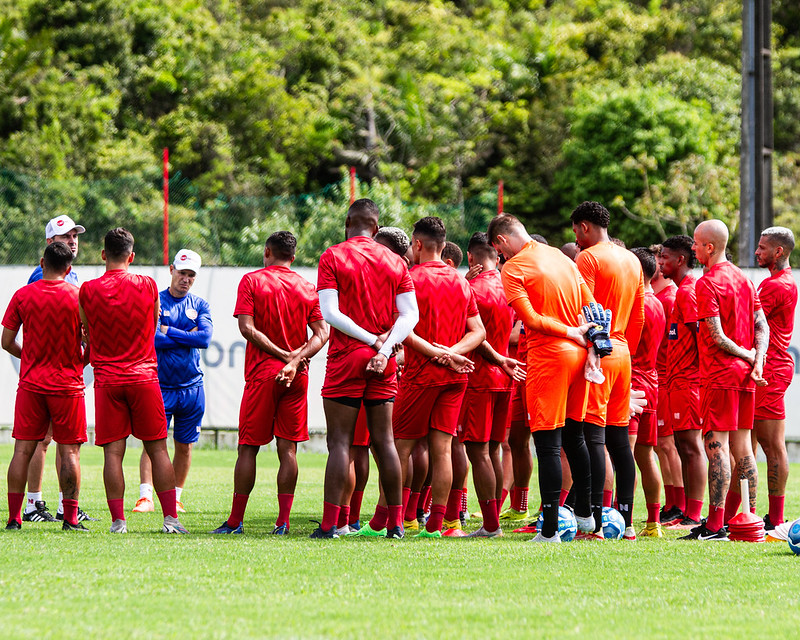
(166, 206)
(352, 185)
(499, 197)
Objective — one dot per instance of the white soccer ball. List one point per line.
(567, 525)
(613, 524)
(793, 537)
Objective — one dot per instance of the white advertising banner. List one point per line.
(223, 361)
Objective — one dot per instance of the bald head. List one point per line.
(710, 242)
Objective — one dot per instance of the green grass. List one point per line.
(147, 584)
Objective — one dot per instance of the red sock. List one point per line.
(464, 506)
(503, 497)
(732, 502)
(285, 507)
(395, 516)
(519, 499)
(330, 516)
(237, 509)
(406, 496)
(693, 509)
(344, 515)
(117, 509)
(669, 497)
(652, 511)
(562, 498)
(70, 511)
(679, 498)
(436, 518)
(15, 501)
(411, 507)
(607, 497)
(427, 498)
(715, 518)
(775, 509)
(355, 506)
(453, 505)
(380, 518)
(169, 503)
(489, 512)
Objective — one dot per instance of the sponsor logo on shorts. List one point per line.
(673, 331)
(677, 416)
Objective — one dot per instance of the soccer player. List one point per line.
(275, 307)
(486, 409)
(778, 295)
(452, 255)
(50, 392)
(120, 312)
(185, 328)
(547, 292)
(732, 345)
(361, 283)
(644, 377)
(59, 229)
(683, 378)
(614, 276)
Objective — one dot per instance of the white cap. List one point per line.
(187, 259)
(61, 225)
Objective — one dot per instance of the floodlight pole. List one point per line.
(755, 204)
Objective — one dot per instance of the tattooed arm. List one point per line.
(714, 327)
(761, 335)
(754, 356)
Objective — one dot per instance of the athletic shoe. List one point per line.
(451, 524)
(355, 526)
(321, 533)
(540, 538)
(226, 528)
(342, 531)
(589, 535)
(172, 525)
(652, 530)
(13, 525)
(281, 529)
(483, 533)
(780, 533)
(671, 516)
(630, 534)
(428, 534)
(585, 524)
(410, 525)
(703, 534)
(686, 523)
(144, 505)
(39, 514)
(82, 516)
(396, 533)
(454, 532)
(368, 532)
(66, 526)
(119, 526)
(768, 525)
(463, 516)
(179, 506)
(528, 528)
(513, 515)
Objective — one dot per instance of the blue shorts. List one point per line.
(188, 407)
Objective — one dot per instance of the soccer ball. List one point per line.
(793, 537)
(567, 525)
(613, 524)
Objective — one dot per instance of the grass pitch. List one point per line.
(147, 585)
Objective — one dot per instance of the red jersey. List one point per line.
(498, 319)
(683, 368)
(643, 362)
(667, 299)
(282, 304)
(52, 356)
(445, 302)
(120, 309)
(726, 292)
(778, 296)
(368, 277)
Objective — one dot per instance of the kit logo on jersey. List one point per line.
(191, 313)
(673, 331)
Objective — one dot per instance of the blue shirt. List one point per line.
(71, 277)
(178, 350)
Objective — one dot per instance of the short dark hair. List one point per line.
(501, 225)
(541, 239)
(431, 230)
(681, 244)
(364, 207)
(648, 261)
(118, 243)
(592, 212)
(480, 248)
(57, 257)
(282, 244)
(395, 239)
(452, 252)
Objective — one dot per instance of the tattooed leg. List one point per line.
(742, 450)
(771, 436)
(719, 467)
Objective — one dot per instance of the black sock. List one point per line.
(619, 449)
(548, 455)
(596, 443)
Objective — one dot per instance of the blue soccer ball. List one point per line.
(613, 524)
(567, 525)
(793, 537)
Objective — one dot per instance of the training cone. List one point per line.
(746, 526)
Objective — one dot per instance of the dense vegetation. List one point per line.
(635, 103)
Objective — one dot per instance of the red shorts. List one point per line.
(33, 413)
(609, 402)
(420, 409)
(131, 409)
(684, 407)
(485, 415)
(361, 434)
(645, 428)
(345, 377)
(270, 410)
(518, 411)
(663, 413)
(726, 409)
(770, 401)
